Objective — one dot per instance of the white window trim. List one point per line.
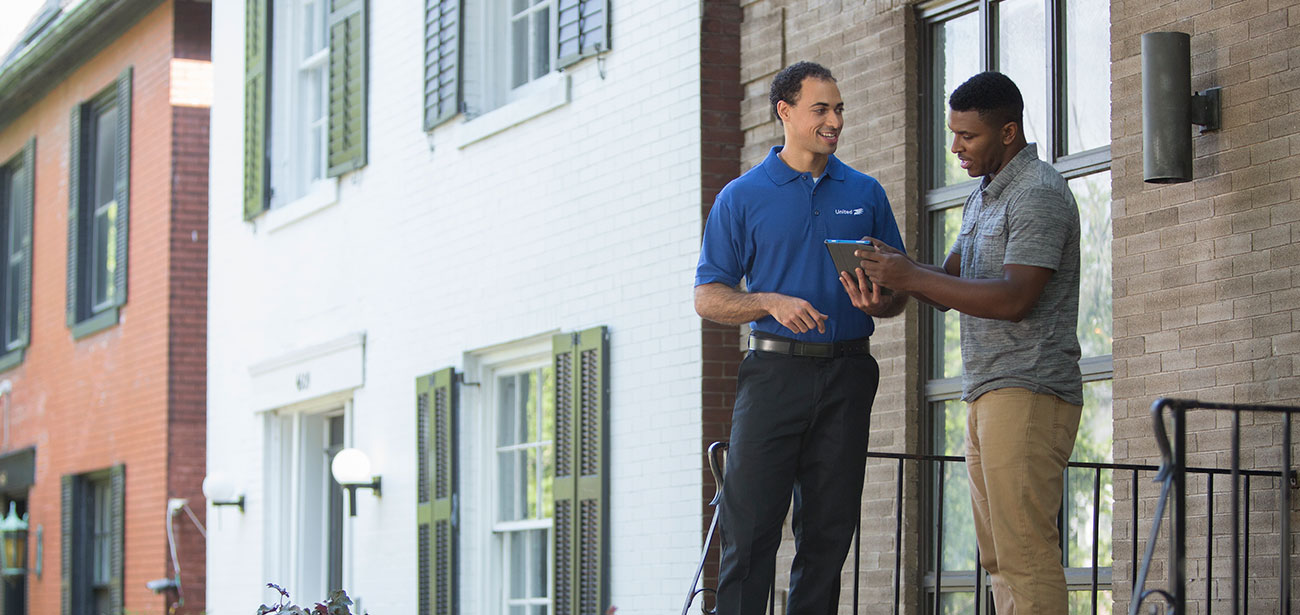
(322, 194)
(289, 147)
(544, 94)
(478, 510)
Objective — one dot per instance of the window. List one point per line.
(309, 123)
(1067, 114)
(524, 479)
(503, 50)
(93, 541)
(299, 107)
(16, 205)
(536, 507)
(308, 503)
(99, 192)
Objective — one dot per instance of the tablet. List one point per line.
(841, 251)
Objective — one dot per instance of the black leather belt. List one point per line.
(825, 350)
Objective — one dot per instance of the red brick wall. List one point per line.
(107, 399)
(720, 142)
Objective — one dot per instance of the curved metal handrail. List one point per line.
(716, 451)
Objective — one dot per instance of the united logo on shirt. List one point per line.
(849, 212)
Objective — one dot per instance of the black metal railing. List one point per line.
(1171, 475)
(1173, 494)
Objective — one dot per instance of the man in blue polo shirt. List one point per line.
(806, 387)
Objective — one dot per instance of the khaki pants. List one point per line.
(1017, 446)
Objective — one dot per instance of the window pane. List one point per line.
(519, 52)
(1079, 511)
(13, 290)
(518, 564)
(507, 393)
(1023, 57)
(105, 157)
(1081, 602)
(540, 559)
(955, 45)
(103, 255)
(541, 42)
(1087, 61)
(1093, 444)
(958, 525)
(946, 358)
(957, 603)
(507, 486)
(1092, 194)
(533, 488)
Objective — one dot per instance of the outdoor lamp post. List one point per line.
(351, 469)
(13, 535)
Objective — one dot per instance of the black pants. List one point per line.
(800, 425)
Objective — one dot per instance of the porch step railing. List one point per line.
(1172, 475)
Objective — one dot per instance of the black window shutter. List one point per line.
(347, 75)
(74, 207)
(581, 485)
(116, 558)
(442, 61)
(69, 485)
(28, 204)
(122, 185)
(436, 492)
(257, 77)
(582, 29)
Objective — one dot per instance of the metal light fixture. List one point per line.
(351, 469)
(1168, 108)
(219, 490)
(13, 543)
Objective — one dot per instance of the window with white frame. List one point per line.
(484, 54)
(299, 99)
(523, 475)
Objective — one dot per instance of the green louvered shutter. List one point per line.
(74, 208)
(436, 486)
(117, 537)
(348, 56)
(28, 204)
(581, 479)
(69, 485)
(442, 34)
(257, 76)
(122, 185)
(582, 29)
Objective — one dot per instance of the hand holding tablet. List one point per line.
(842, 250)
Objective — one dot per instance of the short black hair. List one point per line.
(994, 95)
(787, 83)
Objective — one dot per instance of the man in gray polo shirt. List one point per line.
(1013, 273)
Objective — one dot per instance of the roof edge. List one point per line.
(74, 37)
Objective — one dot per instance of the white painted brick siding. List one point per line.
(587, 215)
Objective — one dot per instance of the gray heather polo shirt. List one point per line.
(1025, 216)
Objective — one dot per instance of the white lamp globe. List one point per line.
(218, 487)
(351, 466)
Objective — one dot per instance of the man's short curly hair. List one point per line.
(992, 94)
(787, 83)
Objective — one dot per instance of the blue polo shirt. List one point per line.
(770, 225)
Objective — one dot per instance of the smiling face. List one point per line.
(981, 148)
(813, 123)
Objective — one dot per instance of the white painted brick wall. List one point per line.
(587, 215)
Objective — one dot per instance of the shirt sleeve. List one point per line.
(1038, 224)
(722, 251)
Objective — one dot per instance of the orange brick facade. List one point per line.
(132, 394)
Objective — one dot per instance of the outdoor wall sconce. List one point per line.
(13, 543)
(351, 469)
(220, 491)
(1168, 111)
